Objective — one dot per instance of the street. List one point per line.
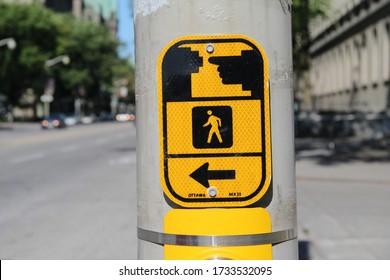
(343, 200)
(68, 194)
(71, 194)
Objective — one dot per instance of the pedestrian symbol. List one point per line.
(212, 127)
(215, 124)
(214, 121)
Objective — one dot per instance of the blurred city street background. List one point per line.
(343, 199)
(68, 194)
(71, 194)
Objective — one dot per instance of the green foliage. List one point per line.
(41, 35)
(303, 11)
(93, 55)
(125, 71)
(36, 35)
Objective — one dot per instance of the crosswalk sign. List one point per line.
(214, 121)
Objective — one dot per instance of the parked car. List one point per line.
(54, 121)
(71, 120)
(88, 119)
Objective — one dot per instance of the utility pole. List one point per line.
(47, 96)
(215, 152)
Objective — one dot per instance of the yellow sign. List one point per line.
(230, 223)
(214, 119)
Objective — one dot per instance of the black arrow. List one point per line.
(202, 175)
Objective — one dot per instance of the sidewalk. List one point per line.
(18, 130)
(342, 198)
(17, 125)
(326, 152)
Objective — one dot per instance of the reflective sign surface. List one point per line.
(214, 121)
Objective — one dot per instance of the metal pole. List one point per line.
(216, 173)
(46, 106)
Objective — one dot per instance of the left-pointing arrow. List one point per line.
(202, 175)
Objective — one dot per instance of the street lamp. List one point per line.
(47, 96)
(9, 42)
(62, 58)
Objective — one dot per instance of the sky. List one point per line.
(126, 28)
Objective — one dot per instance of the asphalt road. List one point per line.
(343, 199)
(71, 194)
(68, 194)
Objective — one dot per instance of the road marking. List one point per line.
(121, 136)
(61, 135)
(68, 149)
(27, 158)
(123, 160)
(101, 141)
(343, 180)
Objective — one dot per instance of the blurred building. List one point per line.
(98, 11)
(350, 56)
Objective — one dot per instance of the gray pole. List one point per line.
(264, 27)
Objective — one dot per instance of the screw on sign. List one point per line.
(214, 122)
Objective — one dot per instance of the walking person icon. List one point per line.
(212, 127)
(215, 124)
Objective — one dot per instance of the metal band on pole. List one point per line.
(217, 241)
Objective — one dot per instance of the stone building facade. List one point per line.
(350, 59)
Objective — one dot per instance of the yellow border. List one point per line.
(267, 132)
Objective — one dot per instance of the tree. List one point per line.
(124, 73)
(35, 31)
(41, 35)
(303, 11)
(93, 53)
